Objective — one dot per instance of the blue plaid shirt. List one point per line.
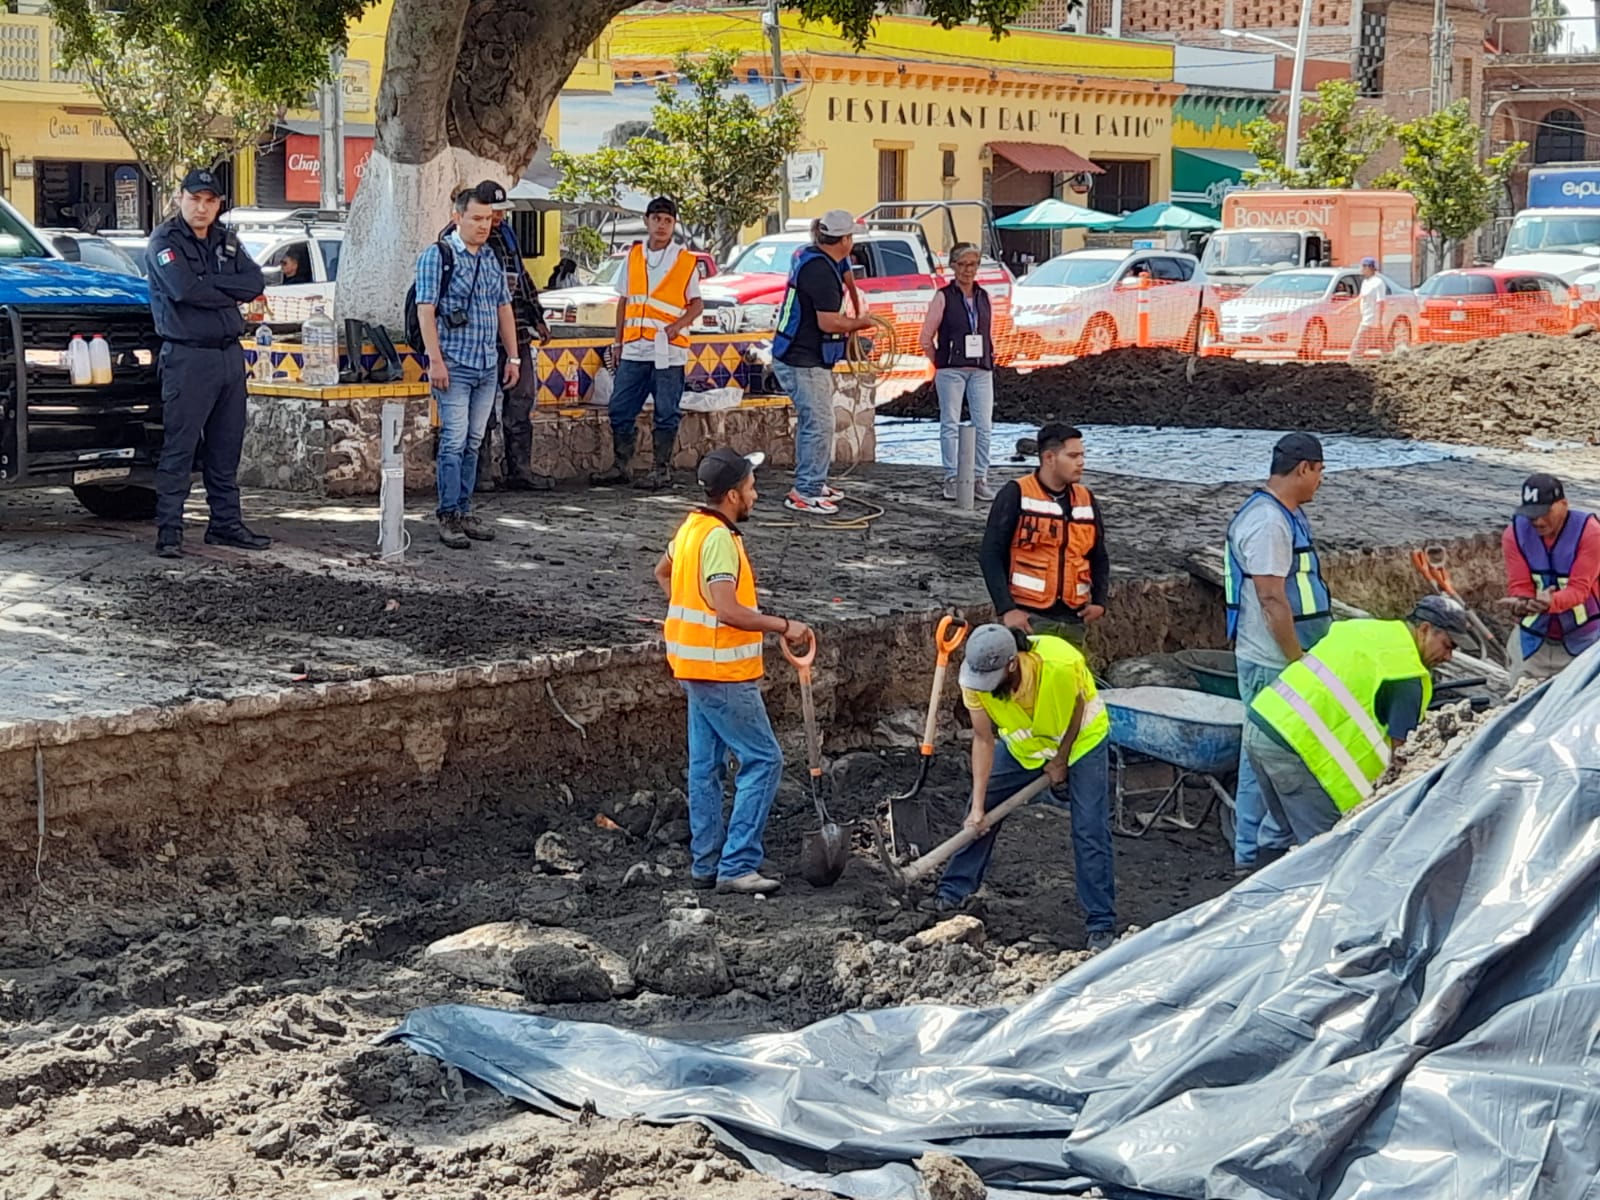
(477, 288)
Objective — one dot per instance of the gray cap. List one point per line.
(990, 650)
(1443, 612)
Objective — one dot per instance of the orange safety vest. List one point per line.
(698, 645)
(1050, 548)
(649, 312)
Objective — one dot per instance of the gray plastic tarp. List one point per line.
(1407, 1007)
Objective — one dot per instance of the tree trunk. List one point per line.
(467, 85)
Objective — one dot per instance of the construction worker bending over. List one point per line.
(1035, 694)
(713, 635)
(1552, 554)
(1320, 736)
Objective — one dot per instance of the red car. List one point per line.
(1479, 302)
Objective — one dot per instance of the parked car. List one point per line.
(1457, 306)
(313, 237)
(1312, 311)
(594, 305)
(1087, 301)
(131, 242)
(92, 251)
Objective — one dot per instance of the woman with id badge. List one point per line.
(957, 336)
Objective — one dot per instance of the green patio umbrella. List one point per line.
(1056, 214)
(1166, 216)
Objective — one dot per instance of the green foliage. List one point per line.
(173, 111)
(717, 153)
(1545, 33)
(856, 17)
(1333, 149)
(584, 245)
(1439, 165)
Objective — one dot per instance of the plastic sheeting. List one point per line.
(1407, 1007)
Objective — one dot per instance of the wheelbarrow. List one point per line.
(1196, 734)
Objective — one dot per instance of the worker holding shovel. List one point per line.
(713, 633)
(1035, 695)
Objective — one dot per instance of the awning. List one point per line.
(1202, 177)
(352, 129)
(1039, 157)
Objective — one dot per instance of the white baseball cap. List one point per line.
(837, 222)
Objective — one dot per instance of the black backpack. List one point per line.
(447, 270)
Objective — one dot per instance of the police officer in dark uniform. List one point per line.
(199, 275)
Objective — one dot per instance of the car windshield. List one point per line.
(1068, 271)
(607, 271)
(1235, 252)
(16, 239)
(103, 256)
(1532, 233)
(1291, 283)
(1457, 285)
(257, 243)
(772, 258)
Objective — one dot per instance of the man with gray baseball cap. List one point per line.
(810, 340)
(1036, 696)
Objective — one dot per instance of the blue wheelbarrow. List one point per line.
(1194, 733)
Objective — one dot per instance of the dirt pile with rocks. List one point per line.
(1495, 392)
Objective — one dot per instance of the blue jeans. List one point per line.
(724, 717)
(464, 409)
(637, 382)
(1254, 827)
(953, 384)
(811, 392)
(1087, 786)
(1289, 790)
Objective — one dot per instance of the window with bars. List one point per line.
(1371, 50)
(1560, 138)
(1124, 187)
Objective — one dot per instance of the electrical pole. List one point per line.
(1443, 46)
(1291, 136)
(775, 40)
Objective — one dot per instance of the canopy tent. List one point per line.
(1166, 217)
(1056, 214)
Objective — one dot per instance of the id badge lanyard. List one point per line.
(974, 338)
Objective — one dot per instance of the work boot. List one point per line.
(169, 543)
(753, 884)
(473, 526)
(451, 533)
(238, 538)
(621, 468)
(660, 475)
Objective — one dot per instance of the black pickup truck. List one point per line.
(101, 440)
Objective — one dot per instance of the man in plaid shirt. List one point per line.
(460, 332)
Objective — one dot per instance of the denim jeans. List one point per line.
(637, 382)
(1254, 827)
(976, 387)
(1291, 792)
(1087, 786)
(464, 409)
(811, 392)
(724, 717)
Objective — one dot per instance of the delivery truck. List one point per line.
(1267, 231)
(1559, 232)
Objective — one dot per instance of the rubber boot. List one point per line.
(621, 469)
(355, 335)
(388, 368)
(660, 475)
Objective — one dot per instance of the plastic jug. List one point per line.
(99, 359)
(320, 342)
(79, 365)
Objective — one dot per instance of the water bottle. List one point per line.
(263, 371)
(321, 345)
(99, 359)
(78, 364)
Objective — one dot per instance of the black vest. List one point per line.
(951, 344)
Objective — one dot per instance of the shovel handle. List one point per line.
(952, 631)
(951, 846)
(948, 637)
(808, 707)
(801, 662)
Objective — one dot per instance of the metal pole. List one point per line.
(327, 167)
(392, 495)
(775, 40)
(336, 62)
(966, 465)
(1291, 137)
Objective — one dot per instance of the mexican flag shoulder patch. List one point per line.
(166, 257)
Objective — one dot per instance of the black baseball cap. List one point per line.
(491, 193)
(725, 469)
(662, 204)
(1539, 492)
(1292, 450)
(1443, 612)
(201, 180)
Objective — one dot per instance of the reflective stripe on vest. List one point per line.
(1324, 706)
(1309, 601)
(1551, 568)
(698, 645)
(1050, 547)
(648, 312)
(1033, 739)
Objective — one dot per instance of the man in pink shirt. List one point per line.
(1552, 554)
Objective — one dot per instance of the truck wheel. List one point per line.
(117, 502)
(1400, 335)
(1315, 342)
(1099, 337)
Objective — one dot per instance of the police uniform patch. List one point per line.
(166, 256)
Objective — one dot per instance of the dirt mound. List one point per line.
(1494, 392)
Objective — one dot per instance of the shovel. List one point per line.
(1431, 565)
(824, 851)
(903, 879)
(908, 820)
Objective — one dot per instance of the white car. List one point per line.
(1313, 310)
(1087, 301)
(272, 238)
(594, 305)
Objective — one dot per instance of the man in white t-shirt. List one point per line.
(1369, 334)
(659, 300)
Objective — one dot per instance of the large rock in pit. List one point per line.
(547, 965)
(945, 1177)
(682, 958)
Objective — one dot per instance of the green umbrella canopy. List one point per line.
(1166, 216)
(1056, 214)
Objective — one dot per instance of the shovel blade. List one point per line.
(908, 828)
(823, 855)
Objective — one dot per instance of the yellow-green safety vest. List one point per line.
(1033, 739)
(1324, 705)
